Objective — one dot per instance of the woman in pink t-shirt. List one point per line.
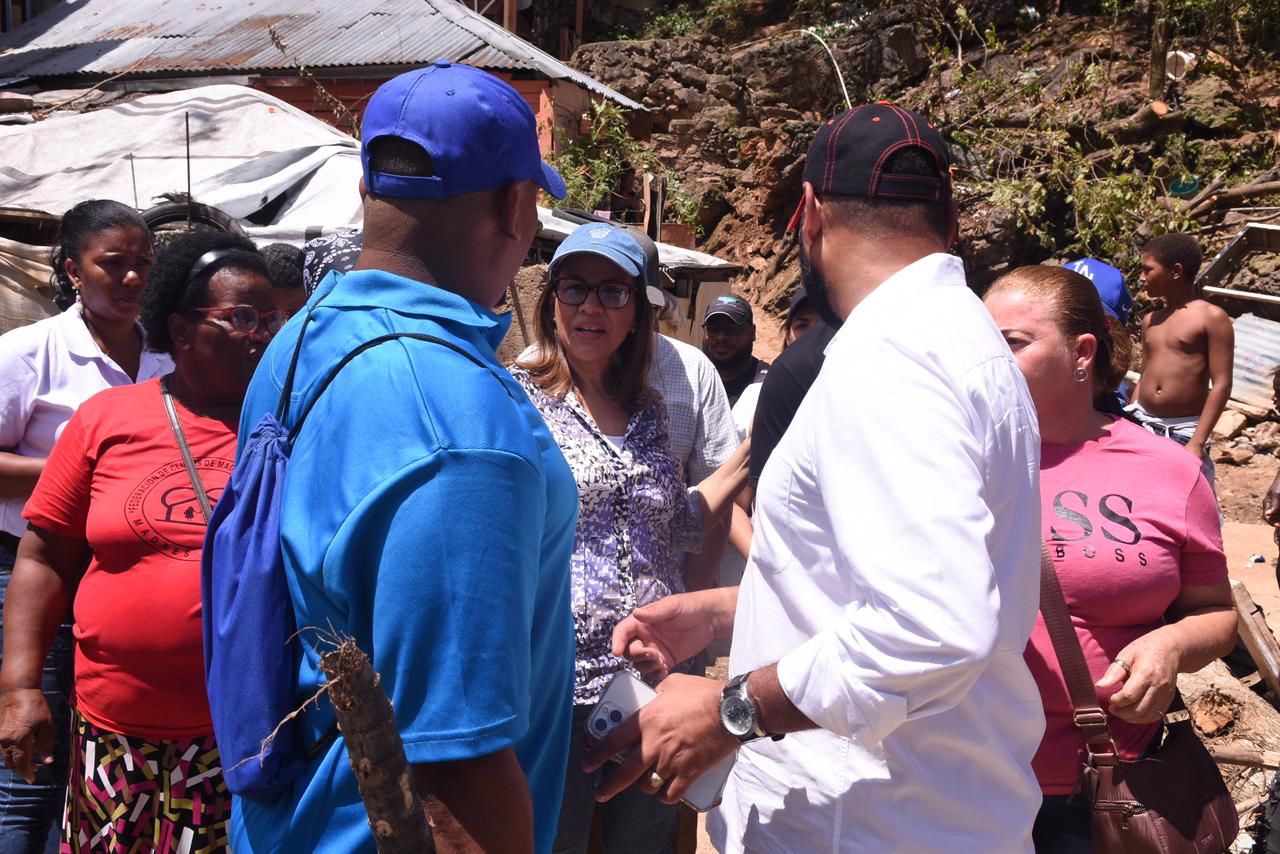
(1133, 530)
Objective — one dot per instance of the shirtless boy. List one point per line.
(1187, 350)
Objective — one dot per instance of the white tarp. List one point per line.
(247, 149)
(25, 293)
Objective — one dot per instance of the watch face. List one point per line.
(735, 714)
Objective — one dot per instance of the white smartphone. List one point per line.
(625, 696)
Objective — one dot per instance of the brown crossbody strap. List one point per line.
(1087, 714)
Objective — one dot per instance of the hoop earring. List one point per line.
(1080, 375)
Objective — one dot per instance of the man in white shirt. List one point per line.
(893, 580)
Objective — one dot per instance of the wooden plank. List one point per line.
(1224, 755)
(577, 18)
(1257, 637)
(509, 15)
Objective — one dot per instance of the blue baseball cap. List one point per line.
(1109, 281)
(607, 241)
(479, 131)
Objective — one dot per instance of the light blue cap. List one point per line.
(607, 241)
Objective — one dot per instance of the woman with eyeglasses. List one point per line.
(100, 262)
(589, 377)
(115, 526)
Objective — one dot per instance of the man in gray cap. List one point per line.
(729, 333)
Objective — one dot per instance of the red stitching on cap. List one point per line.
(831, 144)
(901, 118)
(884, 155)
(907, 118)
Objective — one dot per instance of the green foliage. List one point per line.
(682, 207)
(1248, 24)
(672, 22)
(1033, 156)
(592, 164)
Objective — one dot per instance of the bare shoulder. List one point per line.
(1208, 311)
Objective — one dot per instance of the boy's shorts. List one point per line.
(1181, 430)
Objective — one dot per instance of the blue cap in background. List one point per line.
(607, 241)
(1110, 284)
(479, 131)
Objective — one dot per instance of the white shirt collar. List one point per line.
(79, 339)
(939, 269)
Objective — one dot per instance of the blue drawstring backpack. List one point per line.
(251, 639)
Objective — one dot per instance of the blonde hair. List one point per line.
(1076, 309)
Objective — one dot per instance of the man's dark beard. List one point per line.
(815, 285)
(734, 364)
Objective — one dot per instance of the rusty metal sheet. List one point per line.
(147, 37)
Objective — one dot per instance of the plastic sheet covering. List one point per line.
(25, 293)
(248, 149)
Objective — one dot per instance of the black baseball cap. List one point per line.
(731, 306)
(849, 153)
(799, 300)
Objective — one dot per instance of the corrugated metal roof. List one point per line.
(1257, 355)
(154, 36)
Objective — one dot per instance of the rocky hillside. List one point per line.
(1059, 151)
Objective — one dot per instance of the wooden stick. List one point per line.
(1269, 759)
(1235, 194)
(1257, 637)
(368, 727)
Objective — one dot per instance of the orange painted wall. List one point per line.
(354, 92)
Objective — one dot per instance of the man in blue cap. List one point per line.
(1109, 282)
(1116, 299)
(427, 512)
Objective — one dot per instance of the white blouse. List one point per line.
(47, 369)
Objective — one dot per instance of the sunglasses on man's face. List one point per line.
(613, 295)
(247, 319)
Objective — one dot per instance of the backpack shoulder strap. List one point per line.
(369, 345)
(286, 393)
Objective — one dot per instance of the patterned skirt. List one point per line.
(134, 795)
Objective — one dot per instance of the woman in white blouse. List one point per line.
(101, 262)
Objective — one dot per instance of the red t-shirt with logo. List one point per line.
(1129, 520)
(116, 479)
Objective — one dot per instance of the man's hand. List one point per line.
(26, 731)
(661, 634)
(678, 736)
(1271, 502)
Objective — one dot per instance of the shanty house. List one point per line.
(325, 57)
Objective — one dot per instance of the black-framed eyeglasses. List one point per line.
(611, 294)
(247, 319)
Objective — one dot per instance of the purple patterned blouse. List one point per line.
(634, 518)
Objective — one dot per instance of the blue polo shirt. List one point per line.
(429, 514)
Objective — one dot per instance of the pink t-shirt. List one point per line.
(1129, 520)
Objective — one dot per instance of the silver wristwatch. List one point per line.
(738, 714)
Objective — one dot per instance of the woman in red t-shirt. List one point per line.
(117, 521)
(1133, 530)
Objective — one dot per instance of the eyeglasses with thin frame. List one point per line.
(247, 319)
(610, 294)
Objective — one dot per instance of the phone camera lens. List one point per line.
(615, 716)
(601, 725)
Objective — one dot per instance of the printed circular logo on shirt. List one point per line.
(163, 509)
